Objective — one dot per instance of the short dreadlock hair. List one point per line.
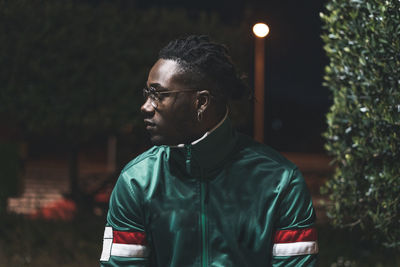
(205, 65)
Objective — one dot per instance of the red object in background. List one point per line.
(63, 209)
(103, 196)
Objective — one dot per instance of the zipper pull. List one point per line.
(188, 158)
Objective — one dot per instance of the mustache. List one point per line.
(148, 122)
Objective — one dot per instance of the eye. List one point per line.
(149, 92)
(154, 94)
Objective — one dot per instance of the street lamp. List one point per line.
(260, 30)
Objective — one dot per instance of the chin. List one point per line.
(158, 140)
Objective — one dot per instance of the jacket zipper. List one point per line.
(204, 221)
(203, 207)
(188, 158)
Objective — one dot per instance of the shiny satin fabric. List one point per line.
(216, 203)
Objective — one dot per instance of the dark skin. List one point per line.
(174, 121)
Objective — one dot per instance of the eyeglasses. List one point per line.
(156, 96)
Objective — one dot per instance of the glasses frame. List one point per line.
(155, 95)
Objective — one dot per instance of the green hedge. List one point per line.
(362, 41)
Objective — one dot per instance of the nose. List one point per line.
(147, 108)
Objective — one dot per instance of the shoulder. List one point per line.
(139, 170)
(267, 167)
(262, 153)
(146, 157)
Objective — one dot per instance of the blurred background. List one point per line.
(71, 79)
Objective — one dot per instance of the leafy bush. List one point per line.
(362, 41)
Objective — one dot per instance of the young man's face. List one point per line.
(170, 120)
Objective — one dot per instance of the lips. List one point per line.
(149, 125)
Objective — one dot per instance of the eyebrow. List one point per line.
(158, 86)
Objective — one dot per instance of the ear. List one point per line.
(203, 100)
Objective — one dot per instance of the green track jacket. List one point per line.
(224, 201)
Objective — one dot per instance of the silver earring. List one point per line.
(199, 115)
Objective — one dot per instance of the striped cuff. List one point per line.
(123, 244)
(295, 242)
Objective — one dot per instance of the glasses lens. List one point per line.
(153, 103)
(152, 94)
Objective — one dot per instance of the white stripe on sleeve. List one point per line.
(129, 250)
(294, 249)
(107, 244)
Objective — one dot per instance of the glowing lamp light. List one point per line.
(261, 30)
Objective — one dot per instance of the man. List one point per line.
(205, 195)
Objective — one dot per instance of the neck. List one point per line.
(209, 125)
(212, 121)
(209, 151)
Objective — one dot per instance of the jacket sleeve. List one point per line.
(124, 242)
(295, 240)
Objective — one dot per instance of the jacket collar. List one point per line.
(208, 132)
(210, 151)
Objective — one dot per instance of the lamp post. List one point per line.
(260, 30)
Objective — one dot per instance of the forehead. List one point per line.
(164, 73)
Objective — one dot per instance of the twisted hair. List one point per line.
(205, 65)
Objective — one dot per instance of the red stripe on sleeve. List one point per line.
(137, 238)
(298, 235)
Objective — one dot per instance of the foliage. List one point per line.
(362, 41)
(344, 247)
(73, 70)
